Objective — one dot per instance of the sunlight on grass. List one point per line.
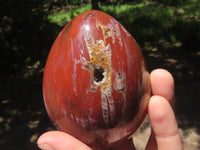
(63, 17)
(131, 11)
(148, 22)
(120, 8)
(60, 17)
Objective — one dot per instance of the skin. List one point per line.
(164, 135)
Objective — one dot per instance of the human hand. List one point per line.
(164, 136)
(165, 133)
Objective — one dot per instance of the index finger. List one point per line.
(162, 84)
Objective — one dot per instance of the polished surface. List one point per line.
(95, 84)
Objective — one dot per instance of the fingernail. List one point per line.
(45, 147)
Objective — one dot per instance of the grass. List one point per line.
(152, 10)
(149, 22)
(63, 17)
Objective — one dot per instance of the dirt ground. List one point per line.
(190, 137)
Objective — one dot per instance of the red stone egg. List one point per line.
(96, 86)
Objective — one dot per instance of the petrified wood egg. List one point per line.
(95, 84)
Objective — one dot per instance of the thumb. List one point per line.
(57, 140)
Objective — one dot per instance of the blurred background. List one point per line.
(167, 31)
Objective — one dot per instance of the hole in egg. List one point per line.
(99, 75)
